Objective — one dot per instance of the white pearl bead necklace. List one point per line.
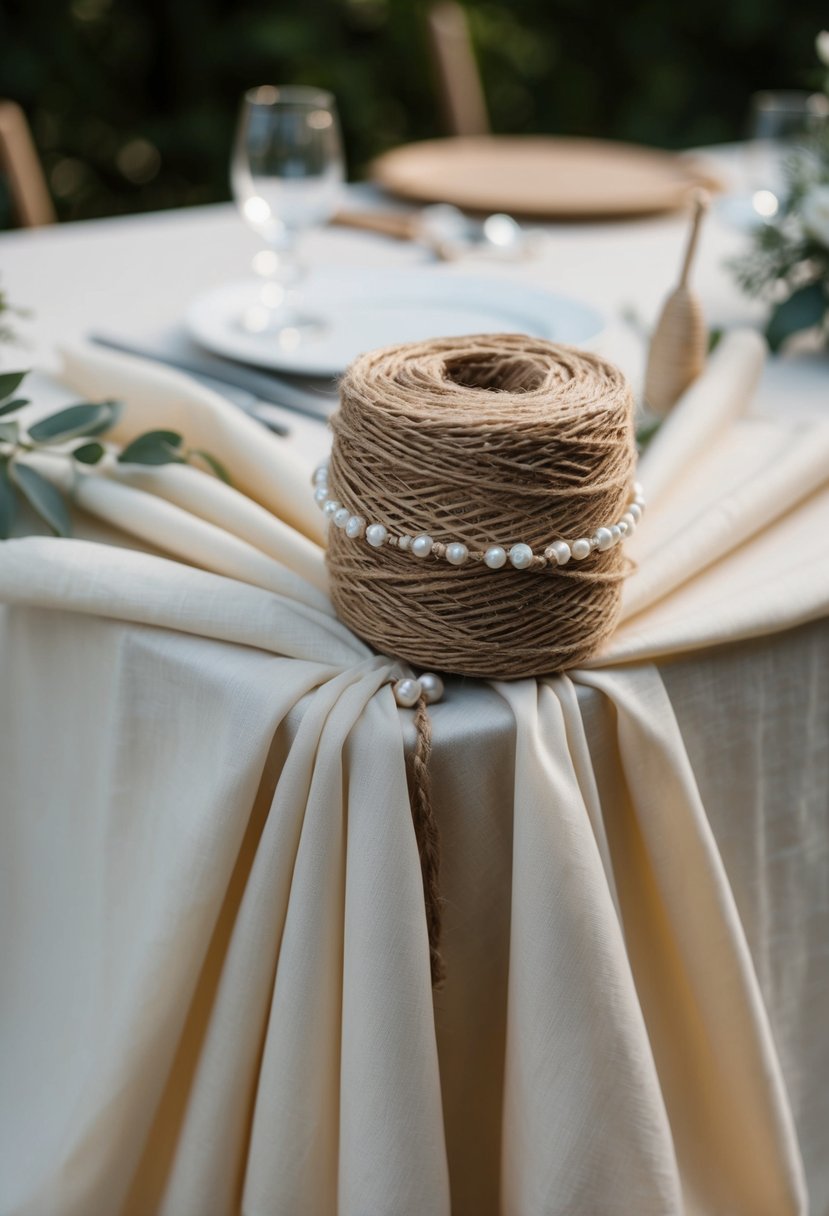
(494, 557)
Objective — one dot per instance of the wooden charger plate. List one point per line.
(541, 177)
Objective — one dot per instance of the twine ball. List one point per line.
(488, 440)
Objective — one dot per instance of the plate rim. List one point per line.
(287, 363)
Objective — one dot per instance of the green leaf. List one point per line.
(9, 431)
(155, 447)
(212, 463)
(11, 406)
(89, 453)
(804, 309)
(42, 497)
(9, 381)
(84, 419)
(8, 502)
(116, 409)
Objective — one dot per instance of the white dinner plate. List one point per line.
(367, 308)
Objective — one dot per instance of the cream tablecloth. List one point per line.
(216, 985)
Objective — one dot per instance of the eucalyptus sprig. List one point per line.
(80, 425)
(7, 310)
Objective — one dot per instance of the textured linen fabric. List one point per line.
(755, 722)
(216, 991)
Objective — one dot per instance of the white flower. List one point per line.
(814, 213)
(822, 46)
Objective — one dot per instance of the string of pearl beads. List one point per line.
(519, 556)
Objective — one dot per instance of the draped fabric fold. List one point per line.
(730, 1119)
(569, 1146)
(86, 577)
(216, 973)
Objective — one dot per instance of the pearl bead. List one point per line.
(495, 557)
(404, 542)
(422, 545)
(407, 692)
(581, 548)
(376, 535)
(320, 495)
(603, 538)
(355, 527)
(629, 522)
(636, 511)
(559, 552)
(616, 533)
(341, 517)
(521, 556)
(456, 553)
(638, 492)
(623, 527)
(432, 686)
(330, 506)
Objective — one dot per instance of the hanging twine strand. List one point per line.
(427, 835)
(495, 439)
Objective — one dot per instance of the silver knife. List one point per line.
(261, 389)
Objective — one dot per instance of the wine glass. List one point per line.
(784, 125)
(286, 172)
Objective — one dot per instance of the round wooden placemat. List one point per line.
(541, 177)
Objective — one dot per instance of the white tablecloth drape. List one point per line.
(216, 979)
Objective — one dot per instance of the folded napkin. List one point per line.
(158, 397)
(731, 544)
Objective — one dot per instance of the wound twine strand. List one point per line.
(498, 439)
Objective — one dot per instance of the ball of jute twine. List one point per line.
(498, 439)
(491, 439)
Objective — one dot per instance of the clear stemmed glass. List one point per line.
(286, 173)
(783, 125)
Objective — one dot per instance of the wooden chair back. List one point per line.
(462, 96)
(20, 163)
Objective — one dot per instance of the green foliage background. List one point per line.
(133, 101)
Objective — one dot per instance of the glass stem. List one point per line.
(281, 271)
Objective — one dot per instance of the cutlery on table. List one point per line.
(444, 230)
(253, 390)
